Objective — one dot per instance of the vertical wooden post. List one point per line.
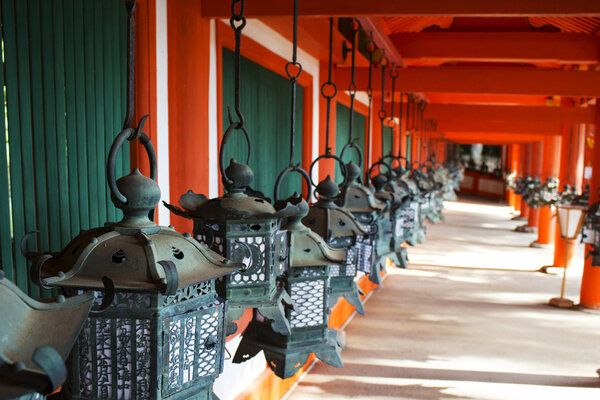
(590, 281)
(547, 224)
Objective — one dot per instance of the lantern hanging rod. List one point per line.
(130, 6)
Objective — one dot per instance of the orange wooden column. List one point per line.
(571, 172)
(547, 224)
(145, 78)
(536, 170)
(590, 281)
(514, 200)
(526, 170)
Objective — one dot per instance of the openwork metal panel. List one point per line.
(364, 246)
(191, 348)
(309, 298)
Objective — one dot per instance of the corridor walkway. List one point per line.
(467, 320)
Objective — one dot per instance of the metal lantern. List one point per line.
(411, 216)
(245, 229)
(307, 281)
(35, 338)
(367, 209)
(159, 331)
(391, 232)
(340, 230)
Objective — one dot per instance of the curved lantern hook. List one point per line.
(293, 168)
(131, 135)
(233, 126)
(108, 298)
(329, 156)
(375, 164)
(353, 145)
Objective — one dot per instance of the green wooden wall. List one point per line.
(64, 101)
(388, 138)
(265, 102)
(342, 123)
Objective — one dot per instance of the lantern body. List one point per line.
(259, 244)
(368, 211)
(151, 346)
(570, 220)
(307, 280)
(247, 229)
(340, 229)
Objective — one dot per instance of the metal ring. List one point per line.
(382, 114)
(391, 123)
(301, 171)
(234, 126)
(239, 27)
(352, 89)
(131, 135)
(380, 162)
(326, 85)
(393, 158)
(330, 156)
(355, 146)
(287, 70)
(393, 73)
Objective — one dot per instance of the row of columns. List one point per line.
(561, 156)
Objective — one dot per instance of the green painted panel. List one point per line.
(64, 70)
(388, 140)
(266, 105)
(342, 126)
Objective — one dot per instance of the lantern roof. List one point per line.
(235, 204)
(380, 182)
(307, 249)
(328, 219)
(135, 253)
(356, 197)
(36, 337)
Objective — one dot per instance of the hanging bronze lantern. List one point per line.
(160, 333)
(340, 230)
(391, 230)
(364, 206)
(245, 229)
(307, 281)
(242, 227)
(35, 338)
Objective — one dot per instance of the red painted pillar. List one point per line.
(590, 281)
(547, 224)
(514, 199)
(526, 171)
(536, 170)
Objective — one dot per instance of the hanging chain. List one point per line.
(293, 70)
(237, 22)
(382, 113)
(370, 50)
(293, 75)
(329, 89)
(392, 123)
(352, 86)
(400, 124)
(130, 6)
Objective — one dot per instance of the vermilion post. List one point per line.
(590, 282)
(547, 224)
(536, 170)
(526, 168)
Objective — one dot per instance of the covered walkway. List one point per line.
(467, 320)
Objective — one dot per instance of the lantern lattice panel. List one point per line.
(364, 246)
(191, 349)
(308, 297)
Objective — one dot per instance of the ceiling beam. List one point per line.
(462, 112)
(536, 128)
(484, 80)
(489, 138)
(519, 47)
(454, 8)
